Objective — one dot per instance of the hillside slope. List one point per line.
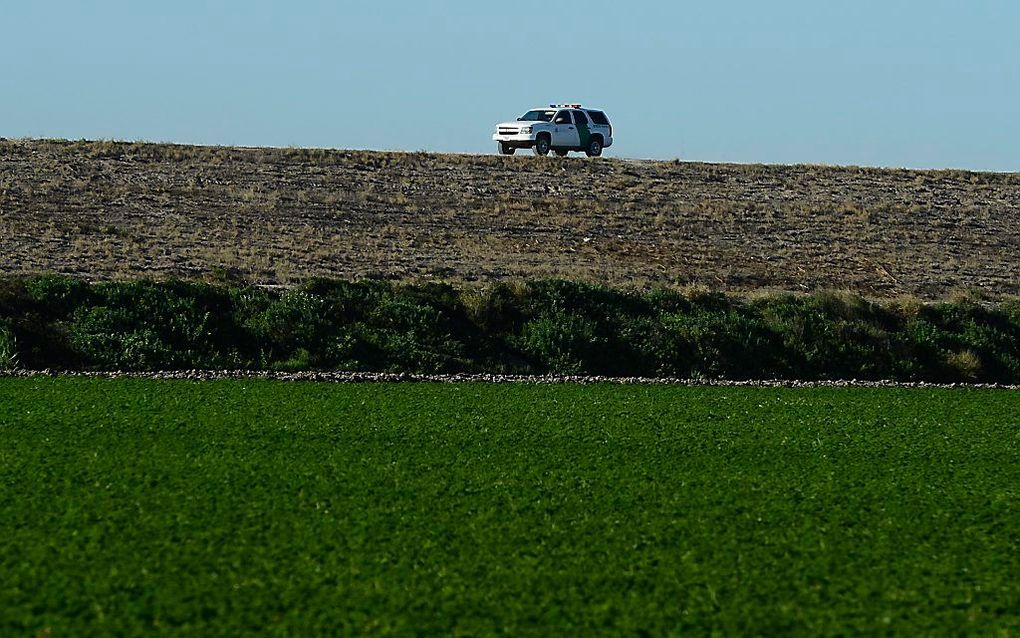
(278, 216)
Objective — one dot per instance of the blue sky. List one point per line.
(876, 82)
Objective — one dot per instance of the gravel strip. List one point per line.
(385, 377)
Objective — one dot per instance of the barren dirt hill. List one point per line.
(279, 216)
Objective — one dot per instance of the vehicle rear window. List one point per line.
(579, 117)
(598, 117)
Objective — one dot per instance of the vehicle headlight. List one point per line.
(525, 129)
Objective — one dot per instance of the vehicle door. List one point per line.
(583, 130)
(564, 132)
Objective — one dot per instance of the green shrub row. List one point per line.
(536, 327)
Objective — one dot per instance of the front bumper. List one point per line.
(518, 140)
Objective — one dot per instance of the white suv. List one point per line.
(560, 128)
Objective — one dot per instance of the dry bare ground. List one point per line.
(107, 210)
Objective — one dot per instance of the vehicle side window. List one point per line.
(599, 117)
(563, 117)
(580, 117)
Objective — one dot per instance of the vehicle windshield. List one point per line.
(537, 116)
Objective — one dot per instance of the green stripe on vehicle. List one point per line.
(583, 132)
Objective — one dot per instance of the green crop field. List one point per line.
(138, 507)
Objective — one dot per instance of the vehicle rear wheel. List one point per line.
(594, 147)
(542, 145)
(506, 149)
(561, 152)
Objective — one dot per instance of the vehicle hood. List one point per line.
(517, 124)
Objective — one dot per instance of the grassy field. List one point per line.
(133, 507)
(107, 210)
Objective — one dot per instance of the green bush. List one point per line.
(14, 298)
(830, 336)
(415, 335)
(8, 347)
(295, 321)
(535, 327)
(729, 344)
(108, 337)
(564, 343)
(1011, 310)
(147, 326)
(496, 310)
(57, 295)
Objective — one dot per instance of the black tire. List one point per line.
(542, 145)
(594, 147)
(506, 149)
(561, 152)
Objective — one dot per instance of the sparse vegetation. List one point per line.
(549, 326)
(111, 210)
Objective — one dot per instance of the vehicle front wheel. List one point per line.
(506, 149)
(542, 145)
(594, 148)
